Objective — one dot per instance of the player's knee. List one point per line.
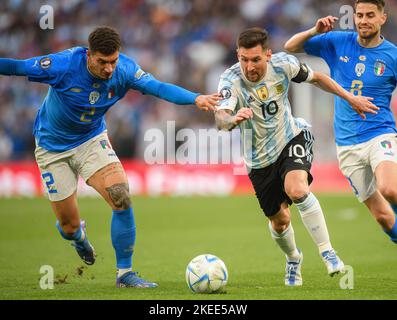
(280, 222)
(389, 192)
(297, 191)
(120, 196)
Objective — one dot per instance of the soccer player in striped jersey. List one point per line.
(71, 137)
(277, 147)
(365, 63)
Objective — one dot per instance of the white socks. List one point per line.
(286, 242)
(313, 219)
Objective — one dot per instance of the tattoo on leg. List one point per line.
(119, 193)
(112, 169)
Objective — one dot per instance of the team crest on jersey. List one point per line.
(226, 93)
(279, 88)
(45, 63)
(94, 97)
(379, 68)
(263, 93)
(360, 69)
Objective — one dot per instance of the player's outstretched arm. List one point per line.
(359, 104)
(176, 94)
(323, 25)
(12, 67)
(226, 121)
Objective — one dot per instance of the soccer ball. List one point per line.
(206, 274)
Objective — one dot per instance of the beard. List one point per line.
(368, 35)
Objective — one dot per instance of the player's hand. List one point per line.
(208, 102)
(362, 105)
(326, 24)
(242, 115)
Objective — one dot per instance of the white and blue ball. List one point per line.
(206, 274)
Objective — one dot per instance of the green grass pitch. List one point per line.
(171, 231)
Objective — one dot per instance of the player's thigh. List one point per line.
(383, 158)
(99, 166)
(67, 213)
(295, 163)
(60, 183)
(58, 176)
(386, 178)
(355, 166)
(112, 183)
(381, 210)
(268, 189)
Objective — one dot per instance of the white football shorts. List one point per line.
(358, 162)
(60, 170)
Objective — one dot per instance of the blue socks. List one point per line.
(76, 236)
(123, 237)
(393, 233)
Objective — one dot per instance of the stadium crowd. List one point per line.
(187, 42)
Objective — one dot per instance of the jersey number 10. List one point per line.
(269, 109)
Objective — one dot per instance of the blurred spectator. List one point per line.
(188, 42)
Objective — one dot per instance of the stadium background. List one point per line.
(189, 43)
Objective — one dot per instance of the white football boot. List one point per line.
(333, 263)
(293, 275)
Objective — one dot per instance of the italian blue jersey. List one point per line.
(370, 72)
(74, 108)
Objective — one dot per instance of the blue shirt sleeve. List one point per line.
(48, 69)
(12, 67)
(167, 91)
(147, 84)
(324, 45)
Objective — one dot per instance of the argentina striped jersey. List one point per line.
(273, 125)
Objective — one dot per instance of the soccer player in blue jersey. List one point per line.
(365, 63)
(71, 138)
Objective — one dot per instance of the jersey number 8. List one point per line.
(357, 87)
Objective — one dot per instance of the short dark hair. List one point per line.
(379, 3)
(252, 37)
(105, 40)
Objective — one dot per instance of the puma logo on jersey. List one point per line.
(344, 59)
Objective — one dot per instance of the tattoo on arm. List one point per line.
(224, 120)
